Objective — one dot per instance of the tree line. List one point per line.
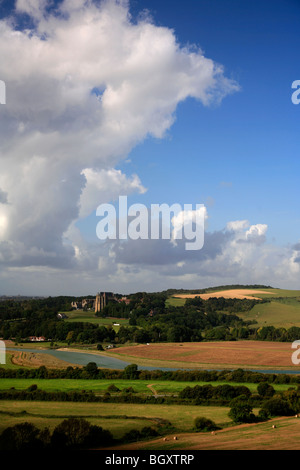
(131, 372)
(151, 319)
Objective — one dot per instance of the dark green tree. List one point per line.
(241, 410)
(131, 372)
(92, 369)
(265, 390)
(22, 436)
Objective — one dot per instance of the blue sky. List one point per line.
(251, 141)
(239, 156)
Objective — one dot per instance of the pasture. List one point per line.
(283, 310)
(100, 386)
(260, 436)
(117, 417)
(90, 317)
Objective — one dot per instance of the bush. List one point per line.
(205, 424)
(128, 390)
(32, 388)
(113, 388)
(277, 407)
(134, 435)
(79, 433)
(147, 431)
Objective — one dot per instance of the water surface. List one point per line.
(82, 359)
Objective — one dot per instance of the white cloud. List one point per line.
(104, 186)
(83, 88)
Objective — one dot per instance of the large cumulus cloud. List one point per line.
(85, 84)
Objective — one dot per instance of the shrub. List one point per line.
(277, 407)
(205, 424)
(113, 388)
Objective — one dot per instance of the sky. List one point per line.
(160, 101)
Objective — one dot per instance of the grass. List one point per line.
(140, 386)
(175, 302)
(283, 310)
(89, 316)
(260, 436)
(118, 417)
(283, 313)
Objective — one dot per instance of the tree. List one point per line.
(265, 390)
(131, 372)
(92, 369)
(79, 433)
(277, 407)
(23, 436)
(241, 410)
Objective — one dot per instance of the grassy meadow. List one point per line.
(283, 310)
(90, 317)
(117, 417)
(164, 387)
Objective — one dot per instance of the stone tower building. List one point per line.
(101, 300)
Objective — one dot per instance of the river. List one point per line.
(82, 359)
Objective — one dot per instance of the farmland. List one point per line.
(90, 317)
(146, 341)
(228, 354)
(260, 436)
(228, 294)
(118, 417)
(145, 387)
(282, 310)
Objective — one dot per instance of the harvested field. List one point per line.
(227, 294)
(261, 436)
(260, 354)
(30, 359)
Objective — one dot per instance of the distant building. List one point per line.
(37, 338)
(83, 304)
(76, 305)
(61, 316)
(124, 299)
(102, 298)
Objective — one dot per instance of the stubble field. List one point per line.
(229, 354)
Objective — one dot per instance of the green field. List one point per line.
(175, 302)
(283, 310)
(117, 417)
(89, 316)
(164, 387)
(283, 313)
